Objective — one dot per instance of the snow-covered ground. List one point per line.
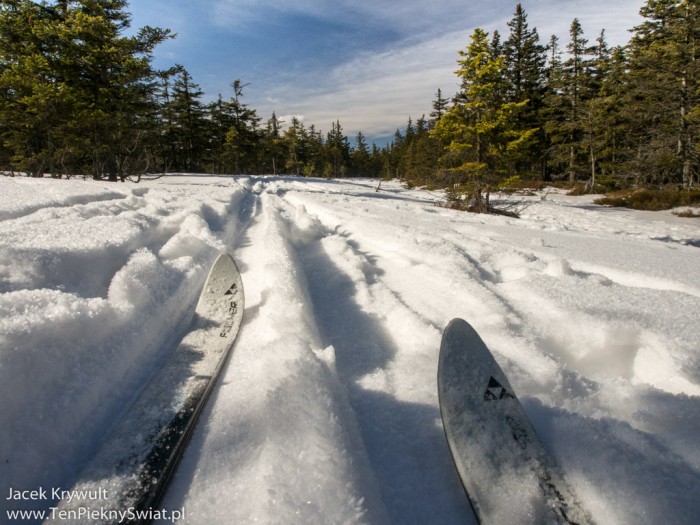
(327, 410)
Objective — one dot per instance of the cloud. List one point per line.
(368, 63)
(617, 18)
(373, 93)
(405, 16)
(376, 92)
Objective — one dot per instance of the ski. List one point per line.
(132, 468)
(505, 470)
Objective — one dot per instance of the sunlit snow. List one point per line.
(327, 411)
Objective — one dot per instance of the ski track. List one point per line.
(86, 316)
(607, 341)
(327, 410)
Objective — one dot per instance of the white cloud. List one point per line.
(374, 90)
(407, 18)
(616, 17)
(377, 92)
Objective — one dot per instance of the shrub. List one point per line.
(651, 199)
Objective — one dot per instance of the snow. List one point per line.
(327, 410)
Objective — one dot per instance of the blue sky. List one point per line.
(368, 63)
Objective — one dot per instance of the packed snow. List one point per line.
(327, 410)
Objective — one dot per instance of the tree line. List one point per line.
(585, 112)
(79, 96)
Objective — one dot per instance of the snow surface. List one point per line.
(327, 410)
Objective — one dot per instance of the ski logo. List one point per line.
(231, 310)
(496, 391)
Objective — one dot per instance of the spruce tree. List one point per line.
(597, 107)
(570, 86)
(338, 152)
(33, 101)
(188, 125)
(664, 68)
(294, 139)
(241, 146)
(77, 93)
(481, 126)
(612, 126)
(524, 61)
(273, 144)
(315, 153)
(440, 107)
(360, 158)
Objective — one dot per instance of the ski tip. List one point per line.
(224, 264)
(224, 258)
(459, 328)
(456, 323)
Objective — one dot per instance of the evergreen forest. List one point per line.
(79, 95)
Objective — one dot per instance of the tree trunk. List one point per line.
(572, 164)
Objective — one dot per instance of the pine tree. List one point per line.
(481, 126)
(569, 83)
(188, 126)
(524, 60)
(664, 63)
(76, 92)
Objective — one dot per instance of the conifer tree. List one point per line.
(440, 106)
(524, 61)
(360, 158)
(315, 153)
(274, 144)
(569, 83)
(664, 69)
(33, 102)
(612, 127)
(338, 151)
(294, 137)
(481, 126)
(596, 109)
(76, 92)
(189, 128)
(242, 140)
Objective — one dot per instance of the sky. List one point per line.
(369, 64)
